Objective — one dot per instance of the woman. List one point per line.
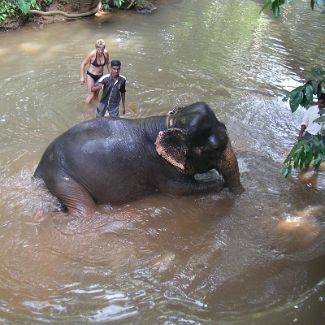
(96, 61)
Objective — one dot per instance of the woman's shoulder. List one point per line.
(91, 54)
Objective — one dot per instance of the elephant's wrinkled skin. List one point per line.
(114, 160)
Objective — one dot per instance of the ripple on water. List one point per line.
(195, 260)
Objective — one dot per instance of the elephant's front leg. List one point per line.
(188, 185)
(227, 166)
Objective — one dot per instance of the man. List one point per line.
(113, 86)
(309, 128)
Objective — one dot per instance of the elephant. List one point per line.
(116, 160)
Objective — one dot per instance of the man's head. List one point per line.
(321, 100)
(116, 63)
(115, 68)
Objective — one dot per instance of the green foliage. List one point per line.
(7, 10)
(120, 3)
(303, 95)
(10, 8)
(320, 119)
(116, 3)
(26, 5)
(275, 4)
(107, 4)
(304, 154)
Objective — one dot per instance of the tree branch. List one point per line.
(65, 14)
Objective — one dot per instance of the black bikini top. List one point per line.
(96, 64)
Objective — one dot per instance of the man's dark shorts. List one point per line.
(101, 110)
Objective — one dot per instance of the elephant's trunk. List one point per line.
(227, 166)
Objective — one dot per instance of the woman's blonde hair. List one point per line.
(100, 43)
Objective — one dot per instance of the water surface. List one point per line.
(210, 259)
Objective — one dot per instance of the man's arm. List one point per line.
(123, 90)
(304, 124)
(123, 103)
(301, 132)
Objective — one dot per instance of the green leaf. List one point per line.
(24, 6)
(293, 151)
(118, 3)
(309, 157)
(304, 154)
(320, 119)
(309, 93)
(316, 162)
(319, 89)
(295, 100)
(286, 170)
(301, 164)
(307, 147)
(318, 72)
(266, 4)
(296, 160)
(276, 9)
(315, 84)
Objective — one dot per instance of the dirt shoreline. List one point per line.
(39, 21)
(19, 21)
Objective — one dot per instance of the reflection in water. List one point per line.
(257, 258)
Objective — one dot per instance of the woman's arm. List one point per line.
(108, 65)
(97, 86)
(85, 61)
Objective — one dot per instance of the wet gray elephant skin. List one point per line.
(116, 160)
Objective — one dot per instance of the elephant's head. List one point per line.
(196, 142)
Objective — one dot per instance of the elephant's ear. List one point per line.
(171, 145)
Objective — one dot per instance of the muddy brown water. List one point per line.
(210, 259)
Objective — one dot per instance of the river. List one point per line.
(212, 259)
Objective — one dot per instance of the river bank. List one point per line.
(61, 11)
(257, 258)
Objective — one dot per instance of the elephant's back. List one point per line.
(105, 156)
(103, 127)
(109, 157)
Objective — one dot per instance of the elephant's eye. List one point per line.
(200, 138)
